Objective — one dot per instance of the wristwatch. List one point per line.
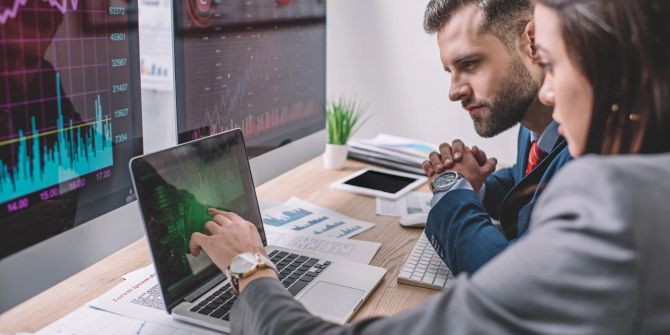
(245, 265)
(445, 181)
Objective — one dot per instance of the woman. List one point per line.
(594, 260)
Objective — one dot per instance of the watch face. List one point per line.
(243, 263)
(445, 179)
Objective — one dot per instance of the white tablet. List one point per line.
(381, 183)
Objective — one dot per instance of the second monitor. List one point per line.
(256, 65)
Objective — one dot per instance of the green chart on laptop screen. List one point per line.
(176, 192)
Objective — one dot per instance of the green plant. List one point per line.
(342, 117)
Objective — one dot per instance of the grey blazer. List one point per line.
(596, 261)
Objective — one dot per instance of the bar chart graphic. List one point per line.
(286, 217)
(300, 216)
(152, 69)
(310, 223)
(78, 150)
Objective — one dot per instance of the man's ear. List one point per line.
(527, 40)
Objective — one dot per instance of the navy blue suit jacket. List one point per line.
(460, 226)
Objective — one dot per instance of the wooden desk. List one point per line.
(309, 182)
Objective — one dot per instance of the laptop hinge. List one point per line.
(193, 296)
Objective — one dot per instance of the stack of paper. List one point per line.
(393, 152)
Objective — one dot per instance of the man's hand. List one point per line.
(474, 172)
(448, 156)
(452, 155)
(230, 235)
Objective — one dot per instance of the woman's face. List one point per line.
(565, 87)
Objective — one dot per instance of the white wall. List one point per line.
(379, 53)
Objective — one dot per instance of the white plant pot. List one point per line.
(335, 156)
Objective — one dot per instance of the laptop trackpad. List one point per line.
(331, 299)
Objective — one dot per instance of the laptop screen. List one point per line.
(175, 188)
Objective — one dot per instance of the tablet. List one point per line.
(381, 183)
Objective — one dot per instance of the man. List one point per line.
(488, 47)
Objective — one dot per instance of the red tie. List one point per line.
(534, 157)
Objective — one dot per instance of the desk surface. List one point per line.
(309, 182)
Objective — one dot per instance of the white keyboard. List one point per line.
(424, 267)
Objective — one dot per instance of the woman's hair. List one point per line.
(623, 49)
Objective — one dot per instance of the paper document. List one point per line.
(303, 217)
(140, 272)
(412, 203)
(155, 44)
(323, 247)
(138, 296)
(89, 321)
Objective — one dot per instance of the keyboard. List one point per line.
(424, 267)
(295, 272)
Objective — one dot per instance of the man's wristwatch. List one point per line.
(245, 265)
(445, 181)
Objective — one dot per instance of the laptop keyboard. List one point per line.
(295, 272)
(424, 267)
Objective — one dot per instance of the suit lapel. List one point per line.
(524, 192)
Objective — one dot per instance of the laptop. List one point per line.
(176, 186)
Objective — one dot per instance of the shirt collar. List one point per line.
(547, 139)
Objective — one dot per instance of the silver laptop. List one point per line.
(175, 187)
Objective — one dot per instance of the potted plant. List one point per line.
(342, 118)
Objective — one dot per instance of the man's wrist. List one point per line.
(261, 273)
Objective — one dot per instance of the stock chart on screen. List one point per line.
(69, 114)
(258, 65)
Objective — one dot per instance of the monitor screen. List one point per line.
(255, 65)
(70, 117)
(175, 188)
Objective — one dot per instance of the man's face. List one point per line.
(491, 82)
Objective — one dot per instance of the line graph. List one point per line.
(61, 5)
(256, 65)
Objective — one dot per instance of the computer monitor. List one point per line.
(255, 65)
(70, 120)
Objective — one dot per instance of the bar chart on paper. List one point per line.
(155, 41)
(299, 216)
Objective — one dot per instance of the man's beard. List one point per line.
(509, 106)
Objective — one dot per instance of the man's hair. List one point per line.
(505, 19)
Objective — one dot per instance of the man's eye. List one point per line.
(469, 65)
(545, 65)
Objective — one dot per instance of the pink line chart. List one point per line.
(62, 6)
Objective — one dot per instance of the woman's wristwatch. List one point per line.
(245, 265)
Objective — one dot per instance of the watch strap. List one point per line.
(261, 262)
